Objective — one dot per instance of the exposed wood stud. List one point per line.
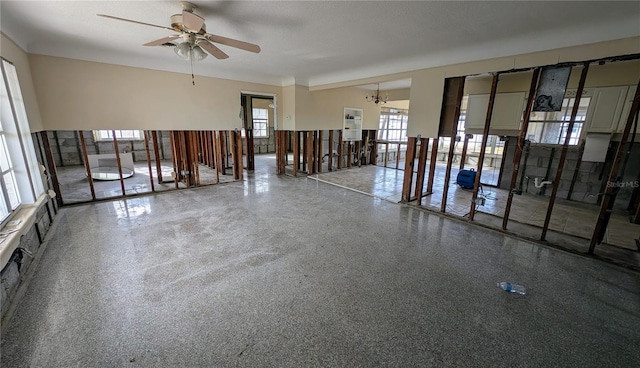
(146, 149)
(156, 153)
(319, 155)
(85, 156)
(250, 150)
(454, 89)
(305, 149)
(340, 150)
(51, 168)
(358, 155)
(175, 153)
(565, 149)
(483, 148)
(296, 152)
(410, 156)
(349, 154)
(117, 151)
(398, 157)
(386, 154)
(330, 151)
(609, 196)
(315, 151)
(432, 165)
(422, 164)
(310, 142)
(216, 154)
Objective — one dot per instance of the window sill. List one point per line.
(27, 216)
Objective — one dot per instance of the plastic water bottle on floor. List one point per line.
(513, 288)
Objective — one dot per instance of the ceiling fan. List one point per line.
(193, 35)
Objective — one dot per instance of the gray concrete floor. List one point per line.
(278, 271)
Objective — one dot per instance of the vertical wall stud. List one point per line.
(483, 148)
(410, 156)
(565, 149)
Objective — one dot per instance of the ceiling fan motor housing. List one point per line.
(178, 25)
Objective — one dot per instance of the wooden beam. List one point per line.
(117, 151)
(315, 151)
(422, 165)
(156, 154)
(296, 152)
(410, 156)
(609, 194)
(454, 91)
(358, 148)
(386, 154)
(330, 149)
(174, 153)
(432, 164)
(517, 156)
(349, 154)
(305, 149)
(216, 155)
(565, 149)
(319, 155)
(310, 141)
(398, 157)
(146, 148)
(52, 169)
(373, 155)
(251, 166)
(483, 148)
(87, 167)
(340, 149)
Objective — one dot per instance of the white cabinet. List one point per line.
(626, 109)
(507, 111)
(352, 124)
(605, 108)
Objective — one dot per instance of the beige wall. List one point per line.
(76, 94)
(11, 52)
(426, 91)
(325, 109)
(73, 94)
(614, 74)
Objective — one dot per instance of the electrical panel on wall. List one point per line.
(352, 124)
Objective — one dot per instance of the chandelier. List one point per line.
(377, 99)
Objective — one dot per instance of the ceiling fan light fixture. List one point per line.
(197, 53)
(183, 50)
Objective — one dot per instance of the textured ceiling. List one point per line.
(317, 42)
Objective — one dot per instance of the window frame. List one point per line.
(263, 131)
(396, 116)
(106, 135)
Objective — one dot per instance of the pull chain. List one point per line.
(193, 79)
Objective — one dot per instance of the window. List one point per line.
(124, 135)
(20, 179)
(551, 127)
(393, 125)
(260, 123)
(10, 198)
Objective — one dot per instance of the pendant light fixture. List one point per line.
(377, 99)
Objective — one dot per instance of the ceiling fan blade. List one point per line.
(134, 21)
(192, 22)
(213, 50)
(233, 43)
(161, 41)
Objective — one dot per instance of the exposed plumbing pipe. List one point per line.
(539, 182)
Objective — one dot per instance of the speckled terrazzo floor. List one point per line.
(278, 271)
